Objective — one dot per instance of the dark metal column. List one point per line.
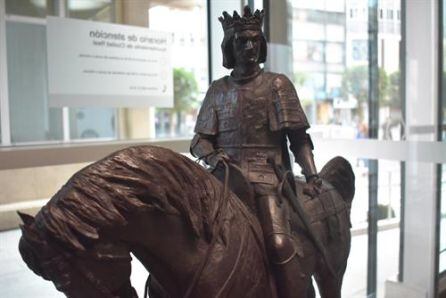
(403, 136)
(208, 14)
(266, 21)
(440, 129)
(373, 104)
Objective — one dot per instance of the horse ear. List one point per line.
(26, 218)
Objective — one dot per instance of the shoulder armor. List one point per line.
(287, 108)
(207, 117)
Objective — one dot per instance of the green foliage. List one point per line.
(300, 79)
(394, 96)
(383, 86)
(356, 80)
(185, 90)
(185, 97)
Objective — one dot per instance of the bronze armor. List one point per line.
(249, 121)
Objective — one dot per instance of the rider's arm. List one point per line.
(290, 117)
(202, 146)
(302, 148)
(206, 131)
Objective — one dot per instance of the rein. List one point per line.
(298, 208)
(217, 228)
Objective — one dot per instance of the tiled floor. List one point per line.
(17, 281)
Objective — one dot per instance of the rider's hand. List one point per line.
(313, 187)
(217, 157)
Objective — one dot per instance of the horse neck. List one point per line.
(166, 248)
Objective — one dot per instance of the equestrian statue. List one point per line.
(243, 226)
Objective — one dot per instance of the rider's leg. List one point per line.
(290, 274)
(329, 286)
(291, 271)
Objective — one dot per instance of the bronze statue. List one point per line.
(260, 233)
(194, 237)
(246, 119)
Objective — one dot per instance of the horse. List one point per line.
(194, 236)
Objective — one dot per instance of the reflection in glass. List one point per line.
(331, 75)
(179, 120)
(31, 119)
(189, 51)
(442, 258)
(388, 213)
(31, 8)
(95, 10)
(442, 137)
(330, 50)
(92, 123)
(88, 123)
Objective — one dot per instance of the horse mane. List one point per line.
(106, 193)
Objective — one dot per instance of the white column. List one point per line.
(421, 59)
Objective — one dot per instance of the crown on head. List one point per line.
(249, 21)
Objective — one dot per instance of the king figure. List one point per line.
(247, 119)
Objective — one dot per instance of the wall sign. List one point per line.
(101, 64)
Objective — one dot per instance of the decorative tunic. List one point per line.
(250, 122)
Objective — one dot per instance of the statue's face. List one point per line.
(246, 47)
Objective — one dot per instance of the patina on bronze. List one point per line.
(195, 236)
(175, 217)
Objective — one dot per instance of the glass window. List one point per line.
(335, 6)
(87, 122)
(315, 51)
(308, 31)
(442, 219)
(442, 230)
(30, 118)
(101, 10)
(335, 33)
(33, 121)
(334, 84)
(335, 53)
(300, 54)
(313, 5)
(308, 51)
(332, 79)
(31, 8)
(390, 14)
(359, 50)
(188, 25)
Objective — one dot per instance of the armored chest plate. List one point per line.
(242, 112)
